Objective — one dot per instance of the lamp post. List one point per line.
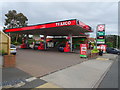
(117, 41)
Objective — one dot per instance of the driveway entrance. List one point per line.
(40, 63)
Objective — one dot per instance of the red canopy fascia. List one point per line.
(51, 25)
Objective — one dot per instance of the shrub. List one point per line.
(109, 44)
(2, 52)
(16, 43)
(95, 50)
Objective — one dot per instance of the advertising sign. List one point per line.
(83, 50)
(50, 44)
(102, 47)
(101, 27)
(99, 41)
(41, 26)
(81, 24)
(101, 34)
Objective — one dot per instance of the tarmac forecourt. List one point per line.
(87, 74)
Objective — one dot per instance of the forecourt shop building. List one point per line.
(70, 28)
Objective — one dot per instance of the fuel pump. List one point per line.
(24, 43)
(42, 46)
(67, 47)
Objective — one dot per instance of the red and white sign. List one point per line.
(83, 49)
(83, 25)
(63, 23)
(101, 27)
(102, 47)
(68, 38)
(41, 26)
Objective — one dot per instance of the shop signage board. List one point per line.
(41, 26)
(51, 25)
(100, 41)
(102, 47)
(83, 50)
(101, 34)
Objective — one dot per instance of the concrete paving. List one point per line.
(111, 78)
(1, 61)
(83, 75)
(109, 56)
(40, 63)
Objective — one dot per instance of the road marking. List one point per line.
(48, 85)
(102, 59)
(7, 86)
(19, 85)
(31, 79)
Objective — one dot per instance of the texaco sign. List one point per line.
(101, 27)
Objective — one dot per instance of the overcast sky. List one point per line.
(91, 13)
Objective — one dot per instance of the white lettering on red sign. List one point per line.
(63, 23)
(81, 24)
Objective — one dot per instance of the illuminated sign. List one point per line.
(51, 25)
(101, 34)
(63, 23)
(83, 50)
(102, 47)
(101, 27)
(81, 24)
(41, 26)
(100, 37)
(100, 40)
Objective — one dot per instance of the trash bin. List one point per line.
(100, 52)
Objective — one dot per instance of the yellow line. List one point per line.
(102, 58)
(48, 85)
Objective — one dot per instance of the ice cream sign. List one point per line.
(83, 50)
(66, 23)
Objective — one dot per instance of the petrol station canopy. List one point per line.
(58, 28)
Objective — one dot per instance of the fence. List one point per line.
(4, 43)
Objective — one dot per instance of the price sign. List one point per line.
(101, 34)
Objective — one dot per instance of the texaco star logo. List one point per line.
(101, 27)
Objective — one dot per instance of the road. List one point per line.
(111, 78)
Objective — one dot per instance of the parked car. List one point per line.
(113, 51)
(35, 47)
(61, 47)
(13, 49)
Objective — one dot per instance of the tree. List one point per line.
(109, 44)
(15, 20)
(113, 41)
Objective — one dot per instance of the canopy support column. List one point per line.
(45, 41)
(71, 49)
(27, 37)
(26, 41)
